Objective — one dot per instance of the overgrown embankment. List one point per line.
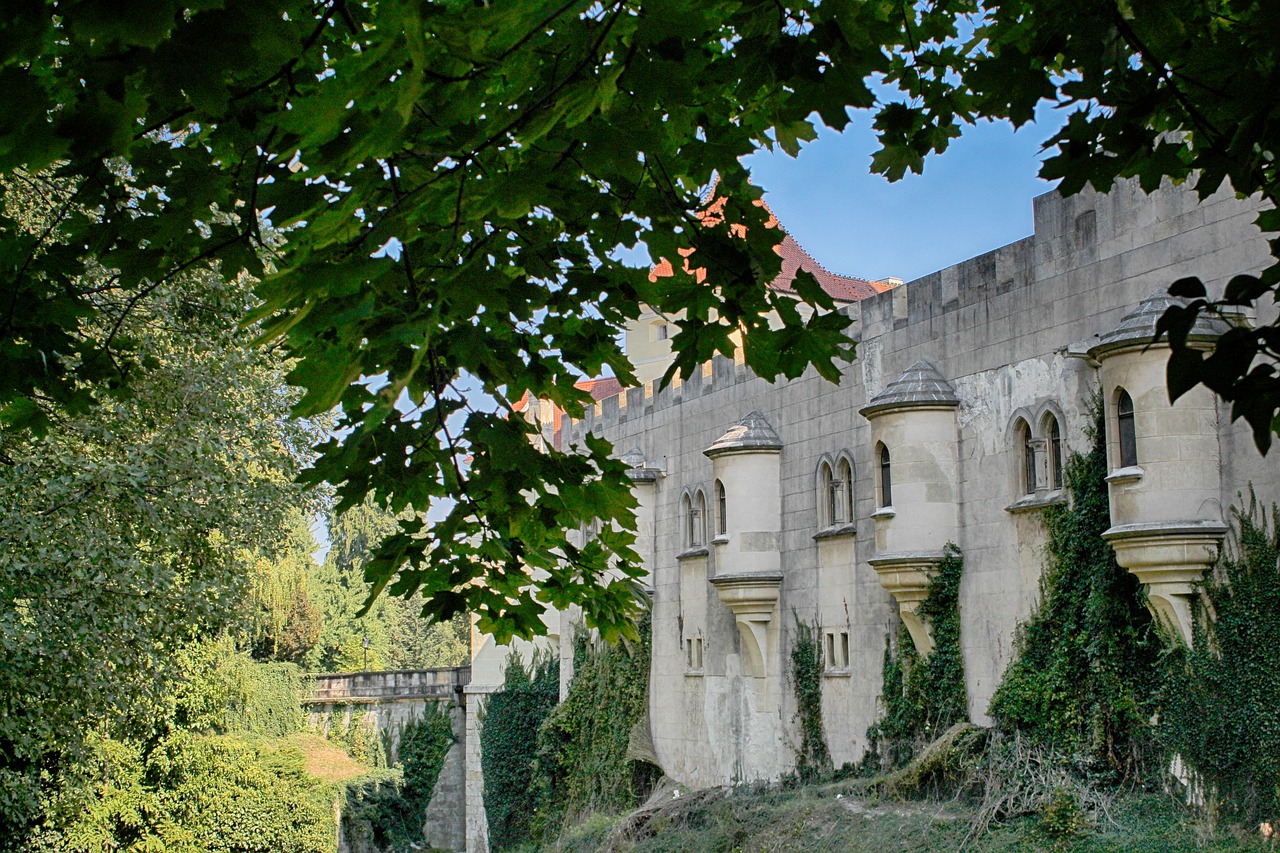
(588, 752)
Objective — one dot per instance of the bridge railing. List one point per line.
(438, 683)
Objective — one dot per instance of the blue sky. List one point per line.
(974, 198)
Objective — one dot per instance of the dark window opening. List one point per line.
(886, 478)
(1127, 434)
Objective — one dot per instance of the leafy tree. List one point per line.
(283, 622)
(399, 636)
(124, 531)
(454, 177)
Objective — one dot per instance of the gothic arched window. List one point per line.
(722, 510)
(1125, 430)
(886, 476)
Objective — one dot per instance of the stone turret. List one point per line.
(644, 487)
(916, 469)
(1164, 461)
(747, 508)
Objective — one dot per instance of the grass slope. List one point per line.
(830, 818)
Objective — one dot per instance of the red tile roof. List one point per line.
(599, 389)
(841, 288)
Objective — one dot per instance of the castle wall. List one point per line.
(1010, 331)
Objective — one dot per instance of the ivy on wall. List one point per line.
(385, 811)
(583, 760)
(511, 718)
(1084, 675)
(813, 759)
(922, 698)
(1221, 702)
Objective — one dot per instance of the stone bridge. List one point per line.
(383, 703)
(404, 685)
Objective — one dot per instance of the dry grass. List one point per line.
(325, 760)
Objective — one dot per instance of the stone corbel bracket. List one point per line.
(1170, 558)
(907, 577)
(753, 598)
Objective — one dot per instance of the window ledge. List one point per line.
(693, 673)
(720, 539)
(884, 512)
(837, 673)
(691, 553)
(836, 531)
(1131, 474)
(1037, 501)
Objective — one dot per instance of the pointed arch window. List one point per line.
(722, 510)
(1054, 446)
(842, 493)
(1027, 446)
(826, 477)
(1126, 431)
(886, 476)
(698, 521)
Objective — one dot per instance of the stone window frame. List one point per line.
(722, 509)
(1051, 430)
(1028, 450)
(835, 652)
(1037, 468)
(693, 517)
(1126, 429)
(884, 477)
(694, 651)
(833, 484)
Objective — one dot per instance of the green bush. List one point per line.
(508, 744)
(923, 698)
(582, 762)
(1221, 702)
(190, 793)
(1085, 670)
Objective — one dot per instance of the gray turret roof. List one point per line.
(1139, 325)
(752, 433)
(919, 385)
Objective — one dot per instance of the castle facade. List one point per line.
(762, 503)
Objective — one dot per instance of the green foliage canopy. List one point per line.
(453, 179)
(127, 528)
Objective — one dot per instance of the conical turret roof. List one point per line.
(1139, 325)
(751, 434)
(919, 385)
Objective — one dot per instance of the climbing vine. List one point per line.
(1084, 675)
(812, 757)
(507, 745)
(586, 758)
(1220, 711)
(922, 698)
(385, 810)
